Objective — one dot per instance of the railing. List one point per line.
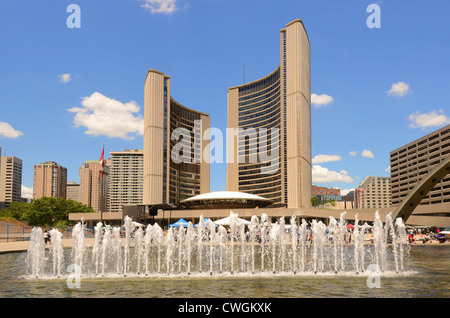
(12, 221)
(11, 232)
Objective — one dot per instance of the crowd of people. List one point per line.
(424, 236)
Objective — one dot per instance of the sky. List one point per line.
(72, 77)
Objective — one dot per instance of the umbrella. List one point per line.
(180, 222)
(350, 226)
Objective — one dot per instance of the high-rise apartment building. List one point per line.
(94, 187)
(50, 180)
(73, 191)
(374, 192)
(270, 153)
(10, 180)
(411, 162)
(126, 175)
(175, 165)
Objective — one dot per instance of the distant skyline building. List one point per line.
(413, 161)
(73, 191)
(10, 180)
(279, 103)
(325, 194)
(126, 175)
(175, 165)
(316, 190)
(50, 180)
(94, 189)
(374, 192)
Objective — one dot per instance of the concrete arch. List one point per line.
(412, 200)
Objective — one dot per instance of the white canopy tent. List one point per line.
(227, 220)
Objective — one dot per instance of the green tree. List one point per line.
(16, 210)
(333, 202)
(314, 201)
(50, 211)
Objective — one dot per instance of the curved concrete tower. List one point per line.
(279, 101)
(168, 179)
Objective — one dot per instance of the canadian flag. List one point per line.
(101, 160)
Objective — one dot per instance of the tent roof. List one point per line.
(180, 222)
(225, 195)
(226, 221)
(205, 220)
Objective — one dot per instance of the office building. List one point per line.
(374, 192)
(270, 153)
(10, 180)
(73, 191)
(94, 187)
(411, 162)
(176, 166)
(50, 180)
(126, 171)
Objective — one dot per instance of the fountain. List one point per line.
(57, 251)
(263, 248)
(139, 241)
(212, 238)
(36, 252)
(96, 249)
(222, 234)
(79, 250)
(252, 237)
(190, 237)
(106, 246)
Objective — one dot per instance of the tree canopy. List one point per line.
(44, 211)
(314, 201)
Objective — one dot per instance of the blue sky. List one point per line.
(377, 88)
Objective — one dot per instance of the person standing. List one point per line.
(46, 237)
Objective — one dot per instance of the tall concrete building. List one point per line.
(374, 192)
(94, 188)
(281, 104)
(176, 166)
(126, 175)
(73, 191)
(411, 162)
(10, 180)
(50, 180)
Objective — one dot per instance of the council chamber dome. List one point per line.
(225, 200)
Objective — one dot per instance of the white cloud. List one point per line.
(353, 153)
(367, 153)
(432, 119)
(326, 158)
(7, 131)
(399, 89)
(320, 100)
(102, 115)
(322, 174)
(160, 6)
(65, 78)
(27, 193)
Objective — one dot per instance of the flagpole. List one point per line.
(101, 200)
(101, 184)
